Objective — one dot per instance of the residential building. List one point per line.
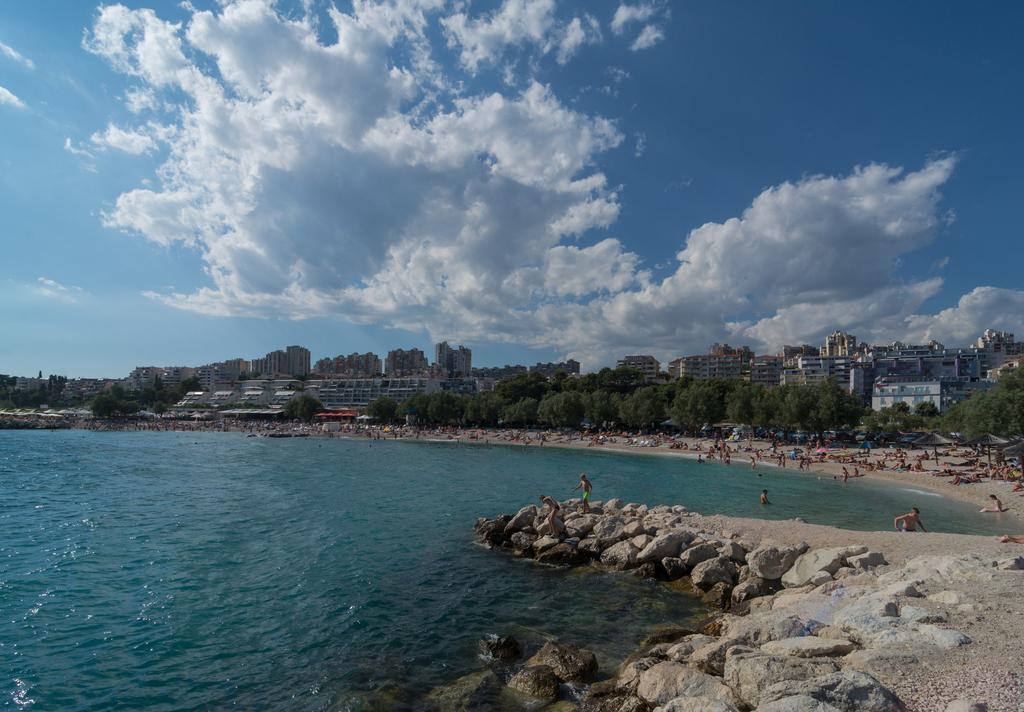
(354, 365)
(570, 367)
(743, 352)
(456, 362)
(791, 353)
(941, 392)
(705, 366)
(839, 343)
(402, 362)
(293, 361)
(813, 370)
(142, 377)
(646, 364)
(499, 373)
(22, 383)
(1009, 366)
(360, 392)
(766, 371)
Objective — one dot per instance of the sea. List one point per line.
(198, 571)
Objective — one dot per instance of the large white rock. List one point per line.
(523, 518)
(810, 563)
(666, 681)
(809, 646)
(718, 570)
(866, 560)
(544, 543)
(847, 691)
(685, 647)
(697, 704)
(663, 545)
(734, 551)
(698, 553)
(770, 562)
(748, 671)
(582, 525)
(610, 528)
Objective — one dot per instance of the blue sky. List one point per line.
(536, 180)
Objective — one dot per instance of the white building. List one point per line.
(360, 392)
(644, 363)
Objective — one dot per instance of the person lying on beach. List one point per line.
(910, 521)
(586, 486)
(555, 523)
(996, 505)
(1018, 487)
(1012, 539)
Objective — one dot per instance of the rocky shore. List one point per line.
(791, 627)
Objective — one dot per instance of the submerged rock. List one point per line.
(537, 681)
(569, 663)
(475, 691)
(499, 647)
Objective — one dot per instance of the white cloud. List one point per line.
(649, 36)
(346, 179)
(650, 14)
(981, 308)
(6, 97)
(13, 54)
(135, 142)
(483, 40)
(641, 144)
(52, 289)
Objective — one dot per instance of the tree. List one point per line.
(739, 403)
(522, 412)
(562, 410)
(104, 405)
(926, 409)
(484, 409)
(601, 407)
(302, 407)
(383, 409)
(644, 408)
(444, 407)
(526, 385)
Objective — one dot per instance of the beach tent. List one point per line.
(1016, 450)
(987, 441)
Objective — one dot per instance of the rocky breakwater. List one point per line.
(827, 629)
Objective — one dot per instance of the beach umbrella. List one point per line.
(987, 441)
(1016, 450)
(932, 440)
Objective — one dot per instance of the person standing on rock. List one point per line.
(555, 523)
(586, 487)
(910, 521)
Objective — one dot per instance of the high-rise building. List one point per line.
(402, 362)
(457, 362)
(705, 366)
(839, 343)
(354, 365)
(298, 361)
(644, 363)
(294, 361)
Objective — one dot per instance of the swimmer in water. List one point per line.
(910, 521)
(764, 497)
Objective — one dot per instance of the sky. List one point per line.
(188, 182)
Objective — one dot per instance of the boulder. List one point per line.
(628, 676)
(671, 634)
(866, 561)
(874, 661)
(569, 663)
(662, 546)
(647, 571)
(609, 528)
(640, 541)
(522, 543)
(810, 563)
(674, 568)
(613, 504)
(492, 531)
(797, 703)
(698, 554)
(590, 548)
(717, 596)
(847, 691)
(752, 587)
(668, 680)
(749, 671)
(475, 691)
(819, 578)
(951, 598)
(499, 647)
(537, 681)
(634, 528)
(718, 570)
(734, 551)
(697, 704)
(770, 562)
(581, 525)
(544, 543)
(809, 646)
(564, 554)
(620, 556)
(521, 520)
(681, 651)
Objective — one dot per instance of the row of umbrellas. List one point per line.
(987, 441)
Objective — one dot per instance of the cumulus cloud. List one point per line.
(135, 142)
(6, 97)
(483, 40)
(346, 179)
(16, 56)
(981, 308)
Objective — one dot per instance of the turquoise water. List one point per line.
(197, 571)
